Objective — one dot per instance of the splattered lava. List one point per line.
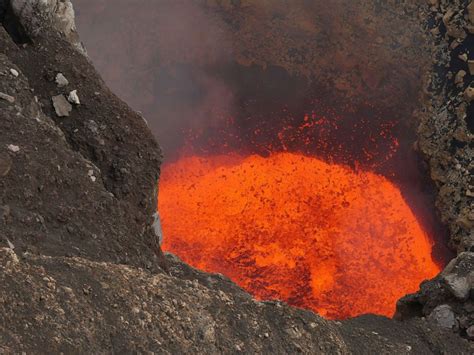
(291, 227)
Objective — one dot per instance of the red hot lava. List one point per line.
(295, 228)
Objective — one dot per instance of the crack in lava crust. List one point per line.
(316, 235)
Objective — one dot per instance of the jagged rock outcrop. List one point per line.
(446, 141)
(446, 129)
(33, 14)
(84, 184)
(446, 300)
(77, 198)
(56, 304)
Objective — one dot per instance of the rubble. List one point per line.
(62, 107)
(73, 98)
(13, 148)
(34, 13)
(61, 80)
(7, 97)
(458, 286)
(447, 298)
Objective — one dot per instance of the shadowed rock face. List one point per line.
(77, 195)
(446, 132)
(445, 139)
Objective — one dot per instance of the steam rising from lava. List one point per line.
(290, 227)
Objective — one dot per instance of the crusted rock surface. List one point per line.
(446, 133)
(57, 304)
(446, 128)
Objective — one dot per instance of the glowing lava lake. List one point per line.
(290, 227)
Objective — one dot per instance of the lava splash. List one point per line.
(290, 227)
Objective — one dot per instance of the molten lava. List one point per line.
(290, 227)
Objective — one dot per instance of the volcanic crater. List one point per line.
(289, 139)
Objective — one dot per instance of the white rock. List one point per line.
(10, 244)
(458, 286)
(157, 227)
(61, 106)
(14, 72)
(35, 14)
(6, 97)
(13, 148)
(61, 80)
(90, 173)
(73, 98)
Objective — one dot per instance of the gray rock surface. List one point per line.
(459, 286)
(61, 106)
(7, 97)
(61, 80)
(34, 14)
(447, 299)
(84, 306)
(444, 316)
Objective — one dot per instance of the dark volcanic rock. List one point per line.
(72, 190)
(446, 127)
(447, 299)
(76, 305)
(88, 307)
(446, 140)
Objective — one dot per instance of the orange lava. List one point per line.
(316, 235)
